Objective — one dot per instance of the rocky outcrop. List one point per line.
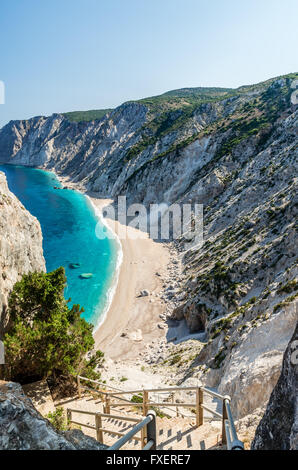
(20, 244)
(278, 428)
(23, 428)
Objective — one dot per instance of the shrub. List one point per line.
(57, 419)
(288, 287)
(45, 336)
(136, 399)
(219, 358)
(175, 359)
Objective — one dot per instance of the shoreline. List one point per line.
(130, 322)
(113, 287)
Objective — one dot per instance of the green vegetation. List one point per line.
(175, 359)
(219, 358)
(217, 279)
(85, 116)
(45, 337)
(289, 287)
(57, 419)
(160, 413)
(225, 323)
(285, 302)
(257, 117)
(137, 399)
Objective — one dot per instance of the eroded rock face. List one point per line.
(251, 370)
(195, 314)
(278, 428)
(20, 244)
(23, 428)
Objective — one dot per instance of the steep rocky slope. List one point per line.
(20, 244)
(278, 428)
(235, 152)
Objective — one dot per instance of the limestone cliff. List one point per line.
(235, 152)
(278, 428)
(20, 244)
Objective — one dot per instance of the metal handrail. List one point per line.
(233, 443)
(229, 433)
(150, 423)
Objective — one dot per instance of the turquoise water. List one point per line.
(68, 222)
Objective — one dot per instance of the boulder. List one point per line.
(22, 427)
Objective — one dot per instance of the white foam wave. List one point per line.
(112, 289)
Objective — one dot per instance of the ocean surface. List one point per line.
(68, 221)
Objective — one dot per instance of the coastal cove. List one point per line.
(69, 223)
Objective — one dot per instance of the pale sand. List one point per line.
(128, 313)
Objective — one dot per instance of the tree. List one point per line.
(45, 336)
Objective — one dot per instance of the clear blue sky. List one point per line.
(65, 55)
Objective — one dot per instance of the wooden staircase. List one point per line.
(104, 414)
(175, 433)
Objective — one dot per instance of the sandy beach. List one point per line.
(132, 320)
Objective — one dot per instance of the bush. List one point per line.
(177, 358)
(136, 399)
(57, 419)
(45, 336)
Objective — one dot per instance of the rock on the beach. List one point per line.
(144, 293)
(136, 335)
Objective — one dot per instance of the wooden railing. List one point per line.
(101, 430)
(229, 434)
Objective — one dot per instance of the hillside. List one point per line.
(85, 116)
(235, 152)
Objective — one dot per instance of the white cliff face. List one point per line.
(253, 367)
(20, 244)
(80, 150)
(278, 428)
(238, 157)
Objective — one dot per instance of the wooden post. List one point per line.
(173, 401)
(224, 417)
(145, 403)
(199, 408)
(108, 404)
(201, 393)
(98, 425)
(68, 414)
(79, 386)
(143, 437)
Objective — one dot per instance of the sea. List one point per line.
(70, 226)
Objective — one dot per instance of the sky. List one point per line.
(67, 55)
